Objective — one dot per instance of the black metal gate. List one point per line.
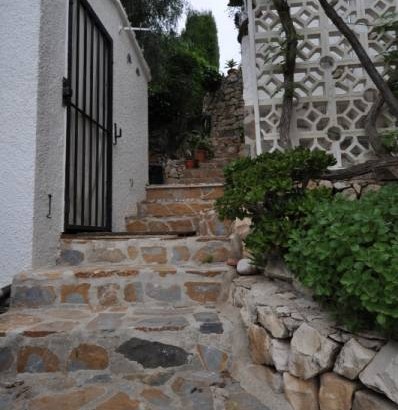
(88, 96)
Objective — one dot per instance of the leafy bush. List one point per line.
(272, 190)
(347, 253)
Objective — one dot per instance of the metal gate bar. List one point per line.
(88, 95)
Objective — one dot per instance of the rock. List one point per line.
(213, 359)
(33, 359)
(336, 393)
(133, 293)
(277, 269)
(163, 294)
(203, 292)
(301, 394)
(156, 397)
(108, 295)
(382, 372)
(236, 246)
(75, 399)
(352, 359)
(206, 317)
(350, 194)
(75, 293)
(6, 359)
(245, 267)
(242, 227)
(33, 297)
(366, 400)
(267, 376)
(112, 255)
(280, 352)
(154, 254)
(70, 257)
(260, 345)
(88, 357)
(311, 353)
(162, 324)
(270, 320)
(153, 354)
(209, 328)
(119, 401)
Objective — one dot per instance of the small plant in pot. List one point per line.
(203, 147)
(187, 151)
(231, 65)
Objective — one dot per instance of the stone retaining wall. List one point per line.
(318, 364)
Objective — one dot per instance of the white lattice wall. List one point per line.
(333, 93)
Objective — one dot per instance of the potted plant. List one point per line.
(187, 151)
(204, 148)
(231, 65)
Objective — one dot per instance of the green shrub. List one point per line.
(347, 253)
(271, 189)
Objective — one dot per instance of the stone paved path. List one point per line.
(137, 357)
(136, 322)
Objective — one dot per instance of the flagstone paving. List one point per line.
(136, 322)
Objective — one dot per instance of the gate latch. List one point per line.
(66, 91)
(117, 136)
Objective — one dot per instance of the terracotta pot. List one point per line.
(190, 163)
(200, 155)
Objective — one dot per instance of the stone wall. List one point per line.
(225, 107)
(318, 364)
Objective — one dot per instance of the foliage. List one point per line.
(200, 33)
(181, 74)
(272, 190)
(390, 141)
(175, 99)
(159, 15)
(195, 140)
(347, 253)
(231, 64)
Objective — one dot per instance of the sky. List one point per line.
(227, 34)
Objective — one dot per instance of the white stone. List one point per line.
(246, 267)
(269, 319)
(352, 359)
(311, 353)
(382, 372)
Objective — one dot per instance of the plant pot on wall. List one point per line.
(200, 155)
(191, 164)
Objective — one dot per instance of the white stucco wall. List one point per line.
(19, 59)
(33, 61)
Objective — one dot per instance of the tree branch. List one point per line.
(289, 68)
(363, 57)
(387, 166)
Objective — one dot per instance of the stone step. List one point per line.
(207, 224)
(121, 287)
(186, 225)
(188, 387)
(133, 341)
(174, 209)
(187, 181)
(184, 192)
(132, 359)
(143, 250)
(203, 173)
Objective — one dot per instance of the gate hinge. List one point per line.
(66, 91)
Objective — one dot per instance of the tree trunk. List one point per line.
(363, 57)
(289, 68)
(371, 129)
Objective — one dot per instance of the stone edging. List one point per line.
(319, 364)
